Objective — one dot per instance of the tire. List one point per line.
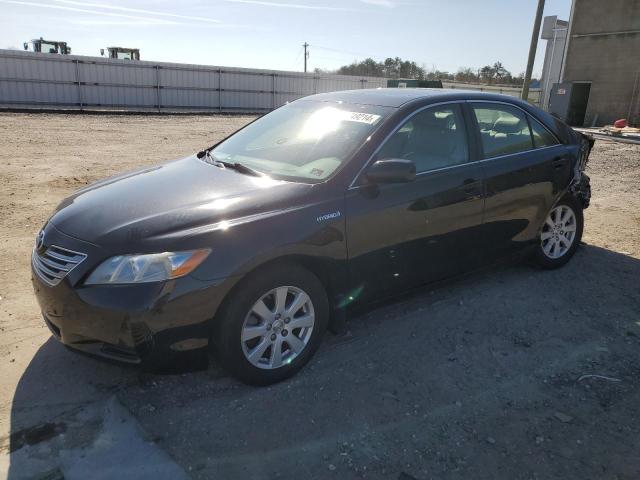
(255, 317)
(564, 231)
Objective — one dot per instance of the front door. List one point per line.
(402, 235)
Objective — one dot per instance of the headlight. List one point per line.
(153, 267)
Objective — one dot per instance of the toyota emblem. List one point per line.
(40, 240)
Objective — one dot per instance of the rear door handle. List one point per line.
(472, 187)
(559, 162)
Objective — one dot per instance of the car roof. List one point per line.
(397, 97)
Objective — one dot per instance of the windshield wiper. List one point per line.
(237, 166)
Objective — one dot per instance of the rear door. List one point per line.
(525, 167)
(402, 235)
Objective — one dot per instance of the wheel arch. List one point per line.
(332, 274)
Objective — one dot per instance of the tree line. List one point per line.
(399, 68)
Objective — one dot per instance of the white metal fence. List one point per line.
(48, 81)
(534, 93)
(37, 80)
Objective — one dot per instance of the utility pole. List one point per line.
(306, 55)
(532, 50)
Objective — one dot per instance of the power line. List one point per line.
(322, 57)
(295, 62)
(344, 51)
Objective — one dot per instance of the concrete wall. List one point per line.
(604, 48)
(554, 31)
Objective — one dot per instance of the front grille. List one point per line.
(55, 263)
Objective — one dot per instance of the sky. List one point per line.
(436, 34)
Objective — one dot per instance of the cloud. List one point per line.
(116, 23)
(149, 19)
(93, 12)
(300, 6)
(380, 3)
(138, 10)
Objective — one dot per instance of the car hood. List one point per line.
(166, 203)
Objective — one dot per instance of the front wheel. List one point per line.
(561, 234)
(272, 324)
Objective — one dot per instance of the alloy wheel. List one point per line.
(558, 232)
(278, 327)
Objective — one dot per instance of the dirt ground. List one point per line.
(487, 377)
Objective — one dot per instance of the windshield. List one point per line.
(303, 141)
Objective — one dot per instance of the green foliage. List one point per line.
(390, 68)
(492, 74)
(398, 68)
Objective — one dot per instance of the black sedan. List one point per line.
(256, 245)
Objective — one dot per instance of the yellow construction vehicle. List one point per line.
(48, 46)
(122, 53)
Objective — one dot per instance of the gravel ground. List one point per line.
(486, 377)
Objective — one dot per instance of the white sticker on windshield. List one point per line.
(368, 118)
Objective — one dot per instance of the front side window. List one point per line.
(303, 141)
(433, 138)
(504, 130)
(48, 48)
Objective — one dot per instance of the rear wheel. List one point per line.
(272, 324)
(561, 234)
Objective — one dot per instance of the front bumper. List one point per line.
(143, 323)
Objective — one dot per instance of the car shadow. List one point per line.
(201, 419)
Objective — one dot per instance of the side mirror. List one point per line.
(394, 170)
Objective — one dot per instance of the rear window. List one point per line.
(541, 136)
(504, 130)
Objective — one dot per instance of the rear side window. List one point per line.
(541, 136)
(433, 138)
(504, 130)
